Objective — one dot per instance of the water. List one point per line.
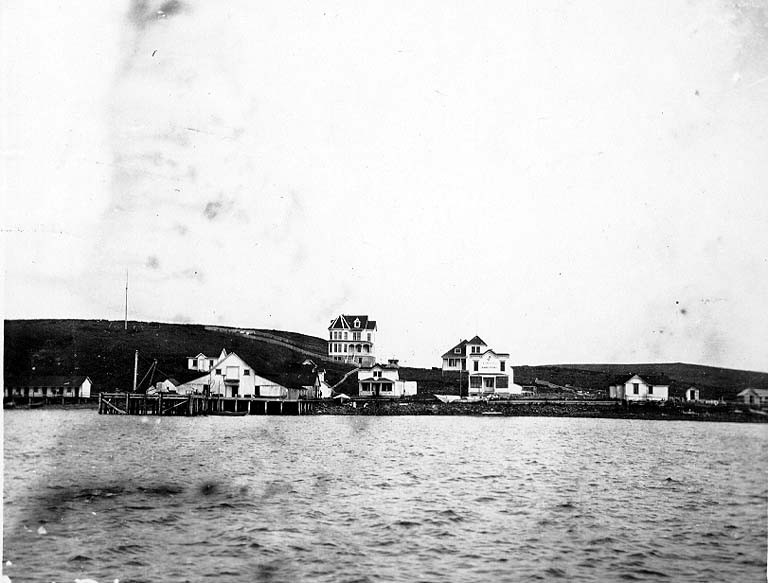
(381, 499)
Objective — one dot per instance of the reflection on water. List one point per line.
(381, 499)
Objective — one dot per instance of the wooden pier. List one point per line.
(193, 405)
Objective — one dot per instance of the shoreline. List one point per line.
(577, 409)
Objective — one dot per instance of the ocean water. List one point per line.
(343, 499)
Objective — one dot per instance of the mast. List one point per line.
(135, 369)
(126, 301)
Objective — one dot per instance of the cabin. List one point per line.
(756, 398)
(383, 380)
(231, 376)
(692, 394)
(637, 388)
(64, 387)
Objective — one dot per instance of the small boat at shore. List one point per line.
(229, 413)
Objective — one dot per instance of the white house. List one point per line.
(456, 358)
(754, 397)
(204, 363)
(352, 339)
(637, 388)
(489, 372)
(74, 387)
(383, 380)
(692, 394)
(231, 376)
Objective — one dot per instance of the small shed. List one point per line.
(692, 394)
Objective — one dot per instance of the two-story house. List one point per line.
(383, 380)
(352, 339)
(637, 388)
(488, 371)
(203, 363)
(231, 376)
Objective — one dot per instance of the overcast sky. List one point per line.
(572, 181)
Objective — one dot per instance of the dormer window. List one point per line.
(457, 350)
(357, 323)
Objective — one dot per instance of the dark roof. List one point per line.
(477, 340)
(462, 346)
(52, 381)
(346, 322)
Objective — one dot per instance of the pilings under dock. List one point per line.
(193, 405)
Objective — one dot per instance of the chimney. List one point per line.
(393, 362)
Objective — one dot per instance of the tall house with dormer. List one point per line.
(352, 339)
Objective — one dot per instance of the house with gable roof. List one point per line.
(753, 397)
(202, 362)
(489, 371)
(383, 380)
(231, 376)
(637, 388)
(352, 339)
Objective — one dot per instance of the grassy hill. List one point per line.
(103, 350)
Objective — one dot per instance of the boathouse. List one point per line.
(231, 376)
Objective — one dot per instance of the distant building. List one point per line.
(231, 376)
(754, 397)
(489, 372)
(692, 394)
(319, 387)
(204, 363)
(637, 388)
(352, 339)
(67, 387)
(383, 380)
(169, 385)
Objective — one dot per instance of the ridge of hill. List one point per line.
(103, 350)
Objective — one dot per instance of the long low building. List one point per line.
(67, 387)
(637, 388)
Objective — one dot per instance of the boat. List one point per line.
(229, 413)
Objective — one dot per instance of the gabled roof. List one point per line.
(347, 322)
(758, 392)
(492, 351)
(53, 381)
(477, 340)
(462, 346)
(653, 380)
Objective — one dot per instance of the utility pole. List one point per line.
(135, 369)
(126, 303)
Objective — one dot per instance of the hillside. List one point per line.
(712, 382)
(104, 351)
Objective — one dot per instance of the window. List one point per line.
(357, 323)
(503, 365)
(502, 382)
(475, 363)
(194, 364)
(210, 362)
(345, 335)
(475, 382)
(457, 350)
(218, 371)
(635, 388)
(650, 390)
(377, 374)
(246, 372)
(356, 336)
(369, 337)
(489, 382)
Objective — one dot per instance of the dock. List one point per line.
(194, 405)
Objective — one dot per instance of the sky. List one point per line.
(572, 181)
